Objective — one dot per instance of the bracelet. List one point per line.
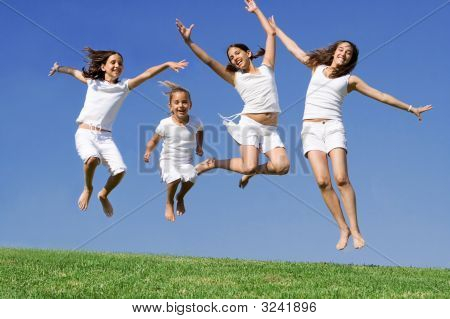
(409, 108)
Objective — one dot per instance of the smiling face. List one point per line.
(343, 54)
(239, 58)
(113, 67)
(180, 104)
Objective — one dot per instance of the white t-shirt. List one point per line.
(258, 91)
(103, 101)
(325, 96)
(179, 141)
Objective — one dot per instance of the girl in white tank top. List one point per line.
(330, 83)
(257, 129)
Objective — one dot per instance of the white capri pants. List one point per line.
(323, 136)
(92, 143)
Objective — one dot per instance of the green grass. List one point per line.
(28, 273)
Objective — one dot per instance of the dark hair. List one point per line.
(173, 89)
(243, 47)
(324, 56)
(95, 59)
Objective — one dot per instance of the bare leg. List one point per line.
(277, 164)
(338, 158)
(185, 187)
(111, 183)
(319, 165)
(171, 189)
(246, 164)
(89, 170)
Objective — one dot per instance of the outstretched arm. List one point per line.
(269, 56)
(141, 78)
(77, 74)
(151, 145)
(355, 83)
(202, 55)
(290, 44)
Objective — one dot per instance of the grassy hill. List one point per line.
(28, 273)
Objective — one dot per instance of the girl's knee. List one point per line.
(284, 167)
(324, 183)
(249, 169)
(342, 180)
(280, 166)
(93, 161)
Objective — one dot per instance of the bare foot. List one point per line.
(342, 243)
(83, 201)
(180, 206)
(106, 204)
(206, 165)
(244, 180)
(358, 241)
(170, 216)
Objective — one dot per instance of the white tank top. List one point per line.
(325, 96)
(258, 91)
(103, 101)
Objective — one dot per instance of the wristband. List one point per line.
(409, 108)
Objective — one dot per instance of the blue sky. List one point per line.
(399, 168)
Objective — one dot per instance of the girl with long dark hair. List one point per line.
(323, 132)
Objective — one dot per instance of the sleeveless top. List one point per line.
(258, 91)
(325, 96)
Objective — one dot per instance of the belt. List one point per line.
(92, 127)
(323, 121)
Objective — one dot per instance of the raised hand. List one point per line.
(185, 32)
(177, 66)
(419, 110)
(251, 6)
(54, 69)
(272, 22)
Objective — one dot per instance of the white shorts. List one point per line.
(323, 136)
(91, 143)
(250, 132)
(171, 171)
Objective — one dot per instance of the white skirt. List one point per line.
(172, 171)
(250, 132)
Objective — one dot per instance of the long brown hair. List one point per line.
(95, 59)
(243, 47)
(324, 56)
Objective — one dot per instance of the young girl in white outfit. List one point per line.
(257, 128)
(323, 131)
(104, 97)
(181, 133)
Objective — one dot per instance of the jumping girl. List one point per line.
(323, 131)
(104, 97)
(257, 128)
(181, 133)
